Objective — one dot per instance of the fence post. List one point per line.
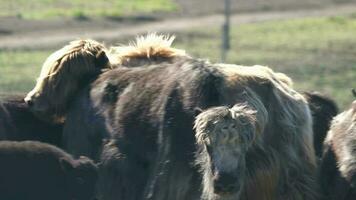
(226, 31)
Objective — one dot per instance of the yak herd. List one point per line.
(148, 121)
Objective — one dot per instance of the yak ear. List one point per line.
(101, 60)
(66, 164)
(354, 92)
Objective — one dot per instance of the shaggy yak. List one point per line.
(18, 123)
(34, 170)
(184, 128)
(338, 166)
(323, 109)
(74, 65)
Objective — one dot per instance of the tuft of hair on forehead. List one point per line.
(150, 46)
(210, 115)
(245, 111)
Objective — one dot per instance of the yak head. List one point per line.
(224, 135)
(63, 74)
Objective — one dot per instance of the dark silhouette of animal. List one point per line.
(338, 164)
(323, 109)
(153, 138)
(149, 105)
(64, 73)
(33, 170)
(18, 123)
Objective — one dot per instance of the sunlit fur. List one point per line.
(149, 49)
(63, 74)
(342, 140)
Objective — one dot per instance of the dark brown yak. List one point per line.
(252, 136)
(323, 109)
(18, 123)
(338, 166)
(34, 170)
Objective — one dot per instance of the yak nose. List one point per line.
(225, 183)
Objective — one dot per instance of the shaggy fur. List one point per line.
(63, 74)
(338, 166)
(34, 170)
(149, 112)
(323, 109)
(223, 135)
(264, 160)
(147, 50)
(18, 123)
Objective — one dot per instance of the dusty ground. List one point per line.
(31, 34)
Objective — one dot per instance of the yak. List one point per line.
(33, 170)
(18, 123)
(323, 110)
(178, 127)
(337, 171)
(154, 143)
(75, 66)
(21, 119)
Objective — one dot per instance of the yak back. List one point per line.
(17, 123)
(32, 169)
(136, 102)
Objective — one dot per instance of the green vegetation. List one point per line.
(19, 69)
(318, 53)
(42, 9)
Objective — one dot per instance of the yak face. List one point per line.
(63, 74)
(223, 136)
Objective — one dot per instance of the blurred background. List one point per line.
(312, 41)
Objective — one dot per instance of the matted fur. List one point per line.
(63, 74)
(152, 48)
